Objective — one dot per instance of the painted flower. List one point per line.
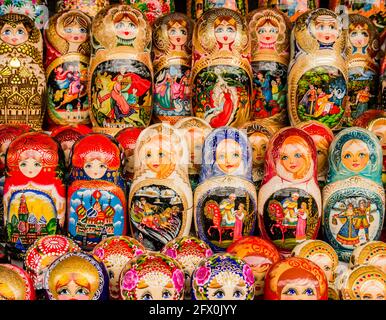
(138, 252)
(208, 253)
(130, 280)
(165, 8)
(171, 253)
(202, 275)
(100, 253)
(248, 275)
(178, 279)
(151, 17)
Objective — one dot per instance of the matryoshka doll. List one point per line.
(196, 8)
(382, 85)
(115, 253)
(195, 131)
(34, 192)
(160, 200)
(353, 198)
(223, 277)
(76, 276)
(317, 79)
(292, 8)
(96, 200)
(172, 50)
(67, 61)
(269, 30)
(222, 73)
(152, 276)
(152, 9)
(366, 117)
(225, 201)
(15, 283)
(378, 127)
(23, 89)
(372, 253)
(289, 203)
(295, 279)
(121, 72)
(259, 254)
(90, 7)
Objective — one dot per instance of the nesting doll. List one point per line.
(221, 73)
(76, 276)
(90, 7)
(269, 30)
(295, 279)
(223, 277)
(292, 8)
(289, 203)
(366, 117)
(317, 79)
(259, 254)
(152, 276)
(353, 198)
(372, 253)
(378, 127)
(382, 85)
(322, 137)
(34, 192)
(44, 251)
(225, 201)
(160, 199)
(120, 81)
(195, 131)
(22, 93)
(172, 49)
(115, 253)
(259, 134)
(67, 62)
(152, 9)
(96, 197)
(196, 8)
(15, 284)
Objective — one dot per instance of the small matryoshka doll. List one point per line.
(15, 284)
(295, 279)
(67, 60)
(222, 73)
(23, 89)
(34, 192)
(259, 254)
(223, 277)
(378, 127)
(322, 137)
(172, 49)
(152, 276)
(160, 200)
(196, 8)
(44, 251)
(353, 198)
(372, 253)
(90, 7)
(269, 30)
(115, 253)
(195, 131)
(317, 79)
(364, 283)
(96, 201)
(121, 72)
(76, 276)
(225, 201)
(289, 203)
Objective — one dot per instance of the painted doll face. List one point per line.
(114, 268)
(326, 29)
(299, 291)
(66, 147)
(355, 155)
(259, 266)
(379, 261)
(158, 157)
(292, 158)
(259, 143)
(126, 29)
(267, 33)
(95, 168)
(178, 35)
(196, 138)
(14, 36)
(149, 288)
(225, 32)
(3, 150)
(359, 37)
(379, 130)
(372, 290)
(321, 151)
(74, 287)
(325, 263)
(129, 164)
(228, 155)
(30, 164)
(226, 286)
(75, 33)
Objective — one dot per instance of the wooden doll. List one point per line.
(22, 93)
(378, 127)
(269, 30)
(372, 253)
(382, 85)
(366, 117)
(172, 50)
(221, 73)
(225, 201)
(196, 8)
(160, 200)
(15, 283)
(317, 79)
(34, 193)
(353, 198)
(195, 131)
(152, 9)
(120, 81)
(96, 200)
(152, 276)
(90, 7)
(289, 203)
(67, 62)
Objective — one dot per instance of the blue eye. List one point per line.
(284, 158)
(120, 25)
(83, 30)
(237, 294)
(219, 30)
(147, 296)
(261, 30)
(291, 292)
(219, 294)
(166, 294)
(309, 292)
(7, 32)
(347, 156)
(362, 155)
(229, 29)
(68, 30)
(298, 155)
(20, 31)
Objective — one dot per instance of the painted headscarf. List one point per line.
(15, 284)
(367, 253)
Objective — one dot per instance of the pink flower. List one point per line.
(208, 253)
(130, 280)
(151, 17)
(171, 253)
(100, 253)
(248, 275)
(202, 275)
(138, 252)
(178, 279)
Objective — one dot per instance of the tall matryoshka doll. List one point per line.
(96, 197)
(15, 283)
(152, 9)
(269, 30)
(67, 62)
(378, 127)
(34, 193)
(353, 198)
(196, 8)
(23, 89)
(160, 200)
(225, 201)
(222, 73)
(90, 7)
(317, 80)
(121, 74)
(372, 253)
(172, 49)
(289, 203)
